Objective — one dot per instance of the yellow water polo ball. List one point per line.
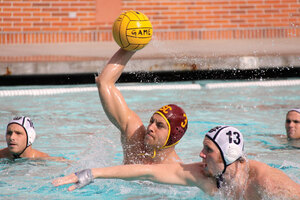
(132, 30)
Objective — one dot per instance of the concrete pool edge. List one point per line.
(184, 55)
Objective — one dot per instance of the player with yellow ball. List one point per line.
(132, 30)
(142, 143)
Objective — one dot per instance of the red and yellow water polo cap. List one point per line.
(177, 121)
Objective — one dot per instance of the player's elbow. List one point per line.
(148, 174)
(103, 84)
(100, 80)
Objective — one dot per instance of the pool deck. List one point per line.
(157, 56)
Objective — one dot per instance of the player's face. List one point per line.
(292, 125)
(16, 138)
(157, 131)
(211, 157)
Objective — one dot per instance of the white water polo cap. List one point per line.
(230, 142)
(27, 124)
(295, 109)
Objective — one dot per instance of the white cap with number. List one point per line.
(230, 142)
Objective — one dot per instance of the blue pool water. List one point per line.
(74, 125)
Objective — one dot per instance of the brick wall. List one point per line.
(55, 21)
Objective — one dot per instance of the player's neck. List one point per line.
(236, 178)
(28, 153)
(167, 155)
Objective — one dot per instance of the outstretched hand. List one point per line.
(66, 180)
(81, 179)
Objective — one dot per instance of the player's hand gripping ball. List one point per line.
(132, 30)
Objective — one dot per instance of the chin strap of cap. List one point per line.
(147, 154)
(18, 155)
(219, 180)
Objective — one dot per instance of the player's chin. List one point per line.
(150, 142)
(207, 172)
(148, 139)
(13, 148)
(291, 134)
(294, 136)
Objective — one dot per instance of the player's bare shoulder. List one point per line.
(4, 153)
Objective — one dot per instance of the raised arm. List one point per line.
(111, 98)
(177, 174)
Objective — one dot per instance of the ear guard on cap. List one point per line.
(233, 152)
(27, 124)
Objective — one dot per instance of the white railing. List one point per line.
(53, 91)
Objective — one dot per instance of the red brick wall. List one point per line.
(44, 21)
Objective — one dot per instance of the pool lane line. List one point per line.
(161, 87)
(53, 91)
(49, 91)
(253, 83)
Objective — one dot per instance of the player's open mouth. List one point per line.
(149, 135)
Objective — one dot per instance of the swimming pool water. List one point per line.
(74, 125)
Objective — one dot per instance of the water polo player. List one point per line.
(292, 124)
(20, 135)
(224, 171)
(154, 144)
(173, 120)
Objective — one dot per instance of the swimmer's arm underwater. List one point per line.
(33, 155)
(55, 159)
(38, 155)
(176, 174)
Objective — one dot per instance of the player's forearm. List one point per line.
(125, 172)
(166, 174)
(114, 68)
